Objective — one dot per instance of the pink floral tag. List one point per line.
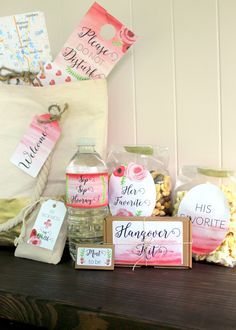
(36, 145)
(95, 46)
(132, 191)
(48, 224)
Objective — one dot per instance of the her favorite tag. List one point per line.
(36, 145)
(132, 191)
(48, 224)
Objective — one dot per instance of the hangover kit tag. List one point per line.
(95, 46)
(36, 145)
(48, 224)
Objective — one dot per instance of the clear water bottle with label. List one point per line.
(86, 196)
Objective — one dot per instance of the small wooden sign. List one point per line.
(95, 256)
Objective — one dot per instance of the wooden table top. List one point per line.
(60, 297)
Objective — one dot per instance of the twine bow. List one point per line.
(146, 244)
(6, 75)
(55, 113)
(145, 247)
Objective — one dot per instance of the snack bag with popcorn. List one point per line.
(208, 197)
(139, 183)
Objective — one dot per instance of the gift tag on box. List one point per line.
(36, 145)
(24, 42)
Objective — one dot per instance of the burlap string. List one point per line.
(38, 191)
(55, 113)
(146, 245)
(6, 75)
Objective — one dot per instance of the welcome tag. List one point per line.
(36, 145)
(95, 256)
(48, 224)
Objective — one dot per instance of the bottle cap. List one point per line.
(86, 141)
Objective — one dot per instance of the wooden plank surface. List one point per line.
(147, 298)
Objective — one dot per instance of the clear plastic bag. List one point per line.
(208, 197)
(139, 182)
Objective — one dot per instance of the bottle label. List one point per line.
(208, 209)
(86, 190)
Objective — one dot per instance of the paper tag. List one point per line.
(132, 191)
(94, 256)
(36, 145)
(208, 209)
(148, 242)
(24, 42)
(95, 46)
(48, 224)
(52, 74)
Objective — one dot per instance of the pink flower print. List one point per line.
(136, 172)
(35, 240)
(33, 232)
(127, 37)
(125, 47)
(48, 223)
(82, 260)
(119, 171)
(124, 213)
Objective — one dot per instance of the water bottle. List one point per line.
(86, 196)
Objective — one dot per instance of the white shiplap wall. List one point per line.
(176, 87)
